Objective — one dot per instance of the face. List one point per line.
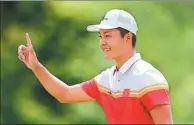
(112, 44)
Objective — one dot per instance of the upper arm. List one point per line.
(83, 92)
(161, 114)
(155, 97)
(157, 102)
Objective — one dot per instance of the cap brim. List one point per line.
(96, 28)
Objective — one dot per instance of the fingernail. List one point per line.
(26, 33)
(23, 57)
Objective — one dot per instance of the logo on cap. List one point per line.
(104, 18)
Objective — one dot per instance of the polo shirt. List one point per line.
(128, 94)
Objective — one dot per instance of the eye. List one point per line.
(100, 36)
(108, 36)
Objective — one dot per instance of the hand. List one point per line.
(28, 55)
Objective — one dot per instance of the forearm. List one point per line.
(52, 84)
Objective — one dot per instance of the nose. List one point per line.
(103, 42)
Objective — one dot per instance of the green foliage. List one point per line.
(58, 32)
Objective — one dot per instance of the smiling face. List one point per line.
(113, 45)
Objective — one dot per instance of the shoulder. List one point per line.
(148, 76)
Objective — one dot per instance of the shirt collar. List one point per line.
(129, 63)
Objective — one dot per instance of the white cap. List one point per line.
(116, 18)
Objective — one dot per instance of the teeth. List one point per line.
(106, 49)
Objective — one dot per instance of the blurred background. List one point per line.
(58, 33)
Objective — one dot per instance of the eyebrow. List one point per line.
(104, 32)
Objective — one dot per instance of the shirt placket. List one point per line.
(116, 81)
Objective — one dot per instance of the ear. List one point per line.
(128, 37)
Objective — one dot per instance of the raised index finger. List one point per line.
(28, 40)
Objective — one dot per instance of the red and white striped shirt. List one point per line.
(128, 95)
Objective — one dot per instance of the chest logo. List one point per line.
(126, 93)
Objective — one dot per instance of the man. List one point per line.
(131, 92)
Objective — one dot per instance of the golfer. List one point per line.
(130, 92)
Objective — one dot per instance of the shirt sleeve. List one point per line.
(154, 98)
(90, 88)
(155, 91)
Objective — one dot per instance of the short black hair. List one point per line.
(124, 31)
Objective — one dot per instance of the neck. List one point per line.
(122, 59)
